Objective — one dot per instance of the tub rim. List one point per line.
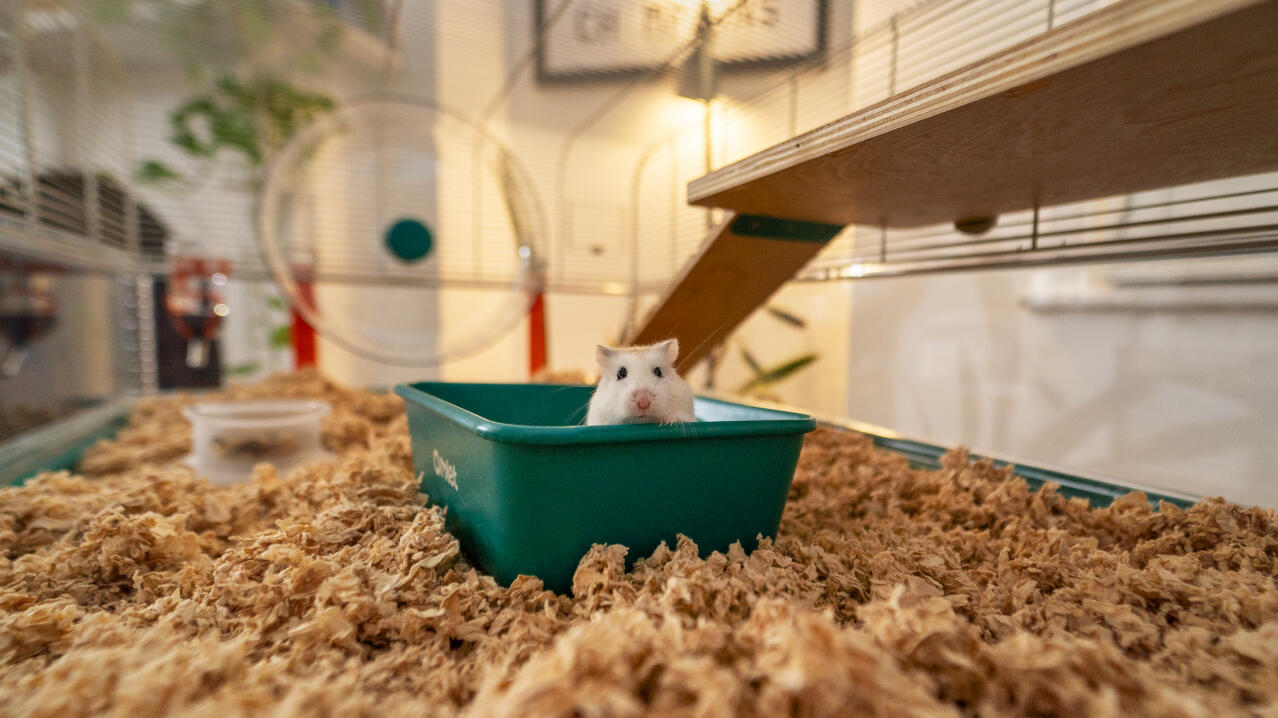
(775, 423)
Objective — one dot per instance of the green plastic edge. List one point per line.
(1098, 493)
(58, 446)
(782, 423)
(794, 230)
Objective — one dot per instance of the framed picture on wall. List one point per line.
(605, 39)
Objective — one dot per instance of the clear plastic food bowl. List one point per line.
(229, 438)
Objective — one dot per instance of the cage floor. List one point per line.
(136, 588)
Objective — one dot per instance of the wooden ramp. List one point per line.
(744, 261)
(1141, 95)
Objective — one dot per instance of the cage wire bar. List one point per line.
(908, 48)
(903, 50)
(1234, 216)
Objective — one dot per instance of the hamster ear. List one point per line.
(669, 349)
(602, 354)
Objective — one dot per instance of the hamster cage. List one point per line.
(1042, 228)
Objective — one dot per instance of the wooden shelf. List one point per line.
(1141, 95)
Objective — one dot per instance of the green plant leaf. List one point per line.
(185, 136)
(792, 319)
(282, 337)
(248, 118)
(242, 369)
(751, 362)
(777, 373)
(154, 172)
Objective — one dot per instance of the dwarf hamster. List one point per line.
(640, 385)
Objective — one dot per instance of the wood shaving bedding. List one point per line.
(137, 589)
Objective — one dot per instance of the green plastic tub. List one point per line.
(528, 489)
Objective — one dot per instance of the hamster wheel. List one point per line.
(401, 231)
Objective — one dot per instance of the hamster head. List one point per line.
(640, 385)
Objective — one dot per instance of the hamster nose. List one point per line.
(643, 399)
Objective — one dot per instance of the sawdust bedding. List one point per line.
(136, 589)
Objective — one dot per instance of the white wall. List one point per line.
(1186, 401)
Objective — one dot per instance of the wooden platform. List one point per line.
(1141, 95)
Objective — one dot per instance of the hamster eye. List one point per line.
(657, 370)
(621, 373)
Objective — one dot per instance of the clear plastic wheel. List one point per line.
(401, 231)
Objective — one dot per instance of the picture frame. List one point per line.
(602, 40)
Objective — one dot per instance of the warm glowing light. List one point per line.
(221, 310)
(683, 112)
(694, 5)
(856, 270)
(719, 7)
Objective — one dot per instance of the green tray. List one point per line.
(528, 489)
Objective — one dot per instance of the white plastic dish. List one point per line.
(229, 438)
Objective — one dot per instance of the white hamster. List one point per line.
(640, 385)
